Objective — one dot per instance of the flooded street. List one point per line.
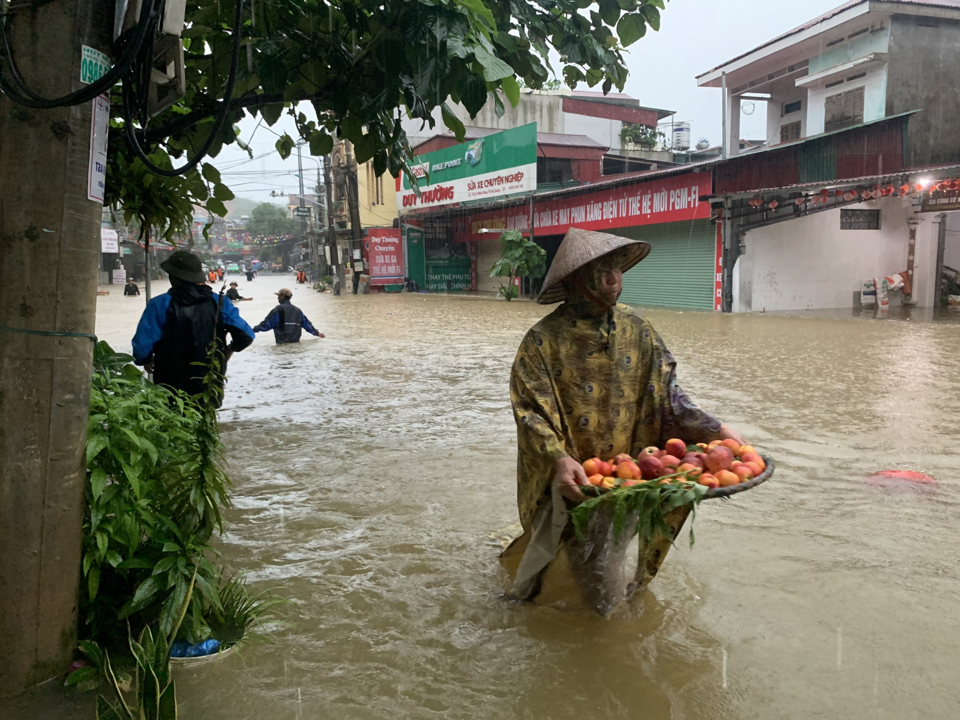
(374, 469)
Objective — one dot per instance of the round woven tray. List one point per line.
(715, 492)
(743, 487)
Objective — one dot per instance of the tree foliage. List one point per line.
(362, 65)
(270, 219)
(643, 135)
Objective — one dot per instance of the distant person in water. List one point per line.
(287, 320)
(131, 288)
(234, 294)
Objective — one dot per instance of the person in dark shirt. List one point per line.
(287, 320)
(234, 294)
(176, 328)
(131, 288)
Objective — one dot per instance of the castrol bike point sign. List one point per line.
(504, 163)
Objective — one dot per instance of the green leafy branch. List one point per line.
(520, 257)
(650, 501)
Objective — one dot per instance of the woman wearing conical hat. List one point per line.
(592, 379)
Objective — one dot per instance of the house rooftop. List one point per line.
(475, 133)
(619, 99)
(853, 8)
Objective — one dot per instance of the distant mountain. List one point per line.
(240, 206)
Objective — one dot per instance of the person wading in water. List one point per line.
(234, 294)
(176, 328)
(287, 320)
(592, 379)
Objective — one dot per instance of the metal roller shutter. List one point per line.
(488, 252)
(678, 272)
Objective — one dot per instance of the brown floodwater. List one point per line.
(374, 470)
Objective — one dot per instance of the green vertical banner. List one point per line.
(416, 255)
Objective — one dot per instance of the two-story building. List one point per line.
(864, 61)
(860, 136)
(562, 112)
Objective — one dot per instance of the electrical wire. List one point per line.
(134, 70)
(149, 14)
(128, 106)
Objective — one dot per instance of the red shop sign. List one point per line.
(384, 250)
(669, 199)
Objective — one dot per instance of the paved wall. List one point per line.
(811, 264)
(924, 73)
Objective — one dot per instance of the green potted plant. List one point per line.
(519, 257)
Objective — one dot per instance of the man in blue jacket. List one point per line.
(287, 320)
(176, 329)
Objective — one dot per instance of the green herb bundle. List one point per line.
(651, 502)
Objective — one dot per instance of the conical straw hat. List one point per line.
(580, 247)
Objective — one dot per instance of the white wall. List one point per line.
(606, 132)
(811, 264)
(874, 98)
(545, 109)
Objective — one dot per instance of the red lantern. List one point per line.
(918, 187)
(891, 189)
(904, 190)
(840, 193)
(799, 201)
(866, 194)
(774, 204)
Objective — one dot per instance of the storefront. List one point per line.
(679, 272)
(666, 212)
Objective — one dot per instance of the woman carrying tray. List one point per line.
(592, 379)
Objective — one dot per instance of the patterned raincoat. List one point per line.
(594, 384)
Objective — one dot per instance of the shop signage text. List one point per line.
(941, 200)
(671, 199)
(109, 241)
(504, 163)
(384, 250)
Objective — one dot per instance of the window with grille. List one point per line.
(790, 108)
(790, 132)
(859, 219)
(843, 110)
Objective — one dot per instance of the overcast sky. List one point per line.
(695, 36)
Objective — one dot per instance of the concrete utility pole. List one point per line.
(353, 194)
(351, 186)
(331, 228)
(303, 220)
(49, 249)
